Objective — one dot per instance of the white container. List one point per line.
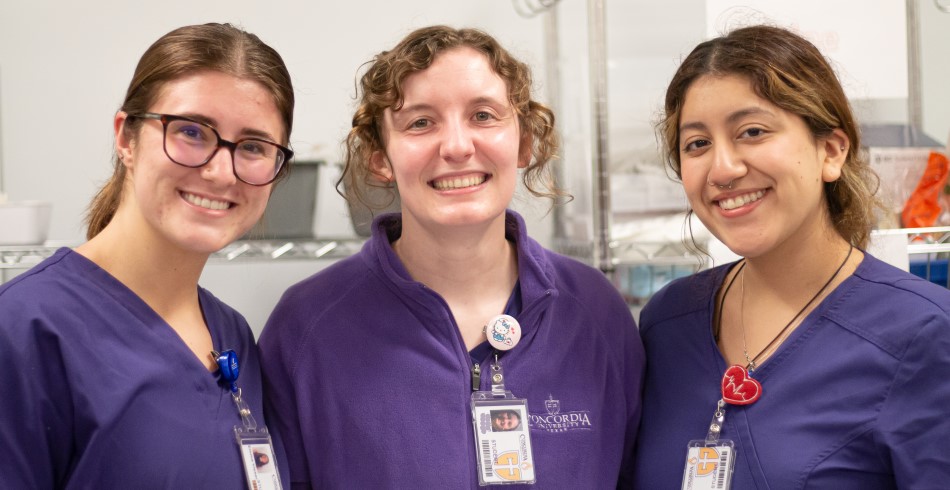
(24, 223)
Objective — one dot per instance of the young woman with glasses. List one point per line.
(375, 366)
(109, 352)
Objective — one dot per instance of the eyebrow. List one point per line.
(244, 133)
(411, 108)
(476, 101)
(731, 118)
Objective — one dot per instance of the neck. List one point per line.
(163, 276)
(460, 261)
(473, 268)
(776, 291)
(800, 269)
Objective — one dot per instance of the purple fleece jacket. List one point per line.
(370, 384)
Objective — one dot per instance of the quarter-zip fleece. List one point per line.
(370, 383)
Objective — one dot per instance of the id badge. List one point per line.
(709, 465)
(502, 439)
(257, 454)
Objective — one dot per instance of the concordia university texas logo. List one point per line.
(509, 466)
(556, 421)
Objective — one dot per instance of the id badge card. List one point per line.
(257, 454)
(709, 466)
(502, 439)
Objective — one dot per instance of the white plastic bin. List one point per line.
(24, 223)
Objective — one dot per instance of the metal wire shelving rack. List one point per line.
(26, 256)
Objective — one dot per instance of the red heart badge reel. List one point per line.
(738, 388)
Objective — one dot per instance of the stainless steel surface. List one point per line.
(597, 36)
(915, 113)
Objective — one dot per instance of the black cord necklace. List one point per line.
(738, 387)
(722, 301)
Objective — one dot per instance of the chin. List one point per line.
(746, 249)
(472, 216)
(207, 242)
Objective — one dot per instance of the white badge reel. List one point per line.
(502, 435)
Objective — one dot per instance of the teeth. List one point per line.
(205, 202)
(458, 182)
(739, 201)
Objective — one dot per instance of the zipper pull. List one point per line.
(476, 377)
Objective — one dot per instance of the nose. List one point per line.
(220, 169)
(727, 165)
(457, 145)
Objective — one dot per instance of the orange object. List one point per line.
(923, 206)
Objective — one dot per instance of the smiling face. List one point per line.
(453, 147)
(777, 169)
(505, 420)
(197, 209)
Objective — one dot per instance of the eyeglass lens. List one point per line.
(192, 144)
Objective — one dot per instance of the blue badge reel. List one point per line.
(254, 443)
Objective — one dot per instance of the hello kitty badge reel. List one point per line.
(503, 332)
(500, 419)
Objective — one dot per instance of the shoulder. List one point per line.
(877, 287)
(328, 285)
(57, 280)
(332, 292)
(581, 283)
(683, 296)
(573, 274)
(879, 276)
(889, 306)
(40, 275)
(48, 308)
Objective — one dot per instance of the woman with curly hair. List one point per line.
(371, 364)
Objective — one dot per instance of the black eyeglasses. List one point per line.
(191, 143)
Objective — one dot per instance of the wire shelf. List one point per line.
(26, 256)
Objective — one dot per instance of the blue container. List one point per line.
(938, 270)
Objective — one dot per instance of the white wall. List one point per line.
(64, 67)
(935, 70)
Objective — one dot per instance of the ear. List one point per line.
(835, 148)
(380, 167)
(525, 150)
(123, 142)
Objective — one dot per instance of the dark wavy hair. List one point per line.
(791, 73)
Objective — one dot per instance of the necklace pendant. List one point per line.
(738, 388)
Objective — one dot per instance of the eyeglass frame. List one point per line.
(165, 119)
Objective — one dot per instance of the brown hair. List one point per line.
(791, 73)
(183, 51)
(381, 88)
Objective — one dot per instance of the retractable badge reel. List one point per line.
(502, 437)
(257, 450)
(710, 462)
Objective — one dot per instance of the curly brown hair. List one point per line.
(380, 88)
(791, 73)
